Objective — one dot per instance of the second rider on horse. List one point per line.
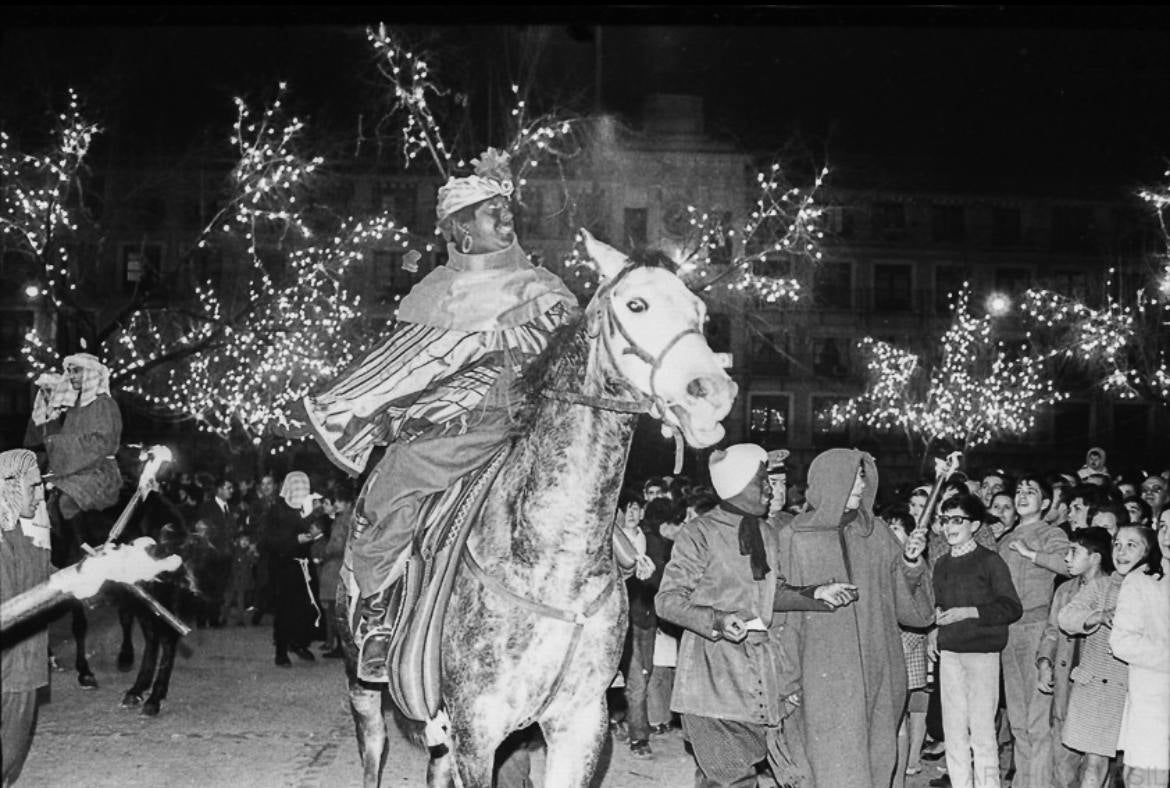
(440, 392)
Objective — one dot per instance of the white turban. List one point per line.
(492, 178)
(733, 468)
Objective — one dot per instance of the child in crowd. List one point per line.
(912, 730)
(1089, 556)
(1099, 679)
(975, 602)
(1034, 552)
(241, 580)
(1141, 637)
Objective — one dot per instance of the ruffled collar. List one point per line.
(486, 261)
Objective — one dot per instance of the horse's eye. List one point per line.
(637, 305)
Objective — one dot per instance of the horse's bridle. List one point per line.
(614, 324)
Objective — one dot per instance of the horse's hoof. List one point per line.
(87, 681)
(150, 708)
(125, 661)
(130, 700)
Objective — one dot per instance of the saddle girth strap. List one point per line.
(548, 611)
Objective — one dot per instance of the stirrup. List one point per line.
(373, 656)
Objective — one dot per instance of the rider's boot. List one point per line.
(372, 634)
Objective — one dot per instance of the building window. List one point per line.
(769, 353)
(1013, 281)
(1005, 226)
(768, 421)
(141, 265)
(1074, 284)
(635, 226)
(948, 281)
(891, 287)
(398, 200)
(823, 430)
(829, 359)
(889, 220)
(1073, 229)
(532, 212)
(838, 221)
(833, 285)
(948, 223)
(722, 247)
(388, 277)
(718, 333)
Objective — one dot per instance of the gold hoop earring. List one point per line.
(465, 244)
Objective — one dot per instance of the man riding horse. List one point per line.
(440, 391)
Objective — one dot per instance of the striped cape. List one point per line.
(419, 378)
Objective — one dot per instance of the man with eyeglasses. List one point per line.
(1153, 492)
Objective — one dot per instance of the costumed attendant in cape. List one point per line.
(79, 426)
(439, 391)
(24, 564)
(854, 671)
(288, 537)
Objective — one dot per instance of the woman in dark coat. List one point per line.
(287, 536)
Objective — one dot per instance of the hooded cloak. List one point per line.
(853, 668)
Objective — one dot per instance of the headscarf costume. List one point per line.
(294, 489)
(15, 464)
(81, 449)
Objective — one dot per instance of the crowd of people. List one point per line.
(1017, 625)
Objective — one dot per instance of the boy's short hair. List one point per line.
(702, 499)
(900, 515)
(1143, 507)
(1119, 512)
(1091, 494)
(1039, 481)
(1097, 540)
(967, 503)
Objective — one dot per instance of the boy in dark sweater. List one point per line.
(975, 602)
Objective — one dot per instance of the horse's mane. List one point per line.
(568, 348)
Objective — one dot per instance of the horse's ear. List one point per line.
(609, 260)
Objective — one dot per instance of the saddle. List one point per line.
(420, 596)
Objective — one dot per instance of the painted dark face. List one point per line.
(492, 227)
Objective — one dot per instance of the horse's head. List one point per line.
(652, 327)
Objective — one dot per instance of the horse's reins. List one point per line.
(642, 405)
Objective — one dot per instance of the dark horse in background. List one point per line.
(537, 615)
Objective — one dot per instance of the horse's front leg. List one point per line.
(575, 735)
(365, 705)
(85, 676)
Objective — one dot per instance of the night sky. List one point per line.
(997, 100)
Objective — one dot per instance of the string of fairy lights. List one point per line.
(37, 212)
(1127, 339)
(237, 355)
(978, 389)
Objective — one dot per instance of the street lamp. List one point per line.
(32, 291)
(998, 305)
